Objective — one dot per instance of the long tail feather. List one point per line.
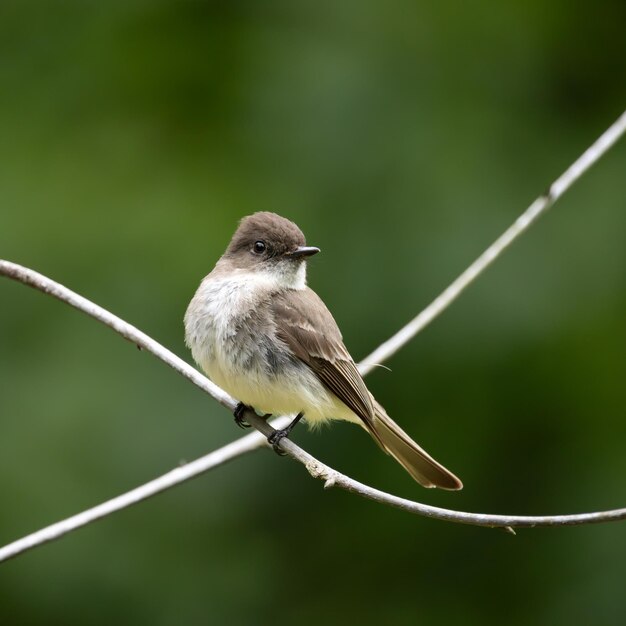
(417, 462)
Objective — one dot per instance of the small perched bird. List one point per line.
(266, 338)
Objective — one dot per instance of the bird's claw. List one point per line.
(240, 409)
(276, 437)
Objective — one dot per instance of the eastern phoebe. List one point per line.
(261, 334)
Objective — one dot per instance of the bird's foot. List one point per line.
(240, 409)
(278, 435)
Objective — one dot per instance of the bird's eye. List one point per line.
(259, 247)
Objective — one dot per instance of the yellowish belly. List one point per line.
(283, 396)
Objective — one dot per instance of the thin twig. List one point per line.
(254, 440)
(250, 442)
(521, 224)
(333, 478)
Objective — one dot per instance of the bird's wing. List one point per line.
(310, 331)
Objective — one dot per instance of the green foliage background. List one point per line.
(403, 137)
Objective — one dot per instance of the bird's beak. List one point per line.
(303, 251)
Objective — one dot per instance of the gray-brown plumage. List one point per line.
(299, 317)
(269, 340)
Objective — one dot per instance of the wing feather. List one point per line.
(308, 328)
(305, 324)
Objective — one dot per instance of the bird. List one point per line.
(260, 333)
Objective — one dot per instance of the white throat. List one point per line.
(293, 280)
(286, 275)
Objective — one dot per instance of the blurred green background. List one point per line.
(402, 137)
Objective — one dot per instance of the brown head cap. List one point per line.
(279, 235)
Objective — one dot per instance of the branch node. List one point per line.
(318, 469)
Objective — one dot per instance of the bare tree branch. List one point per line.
(333, 478)
(255, 440)
(521, 224)
(250, 442)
